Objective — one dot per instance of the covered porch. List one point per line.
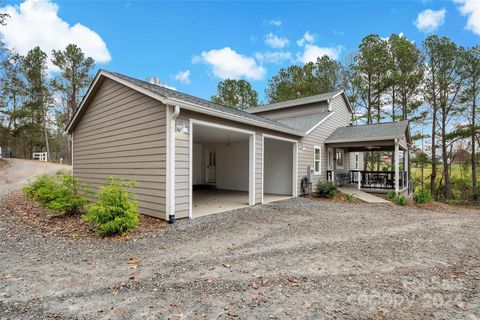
(347, 150)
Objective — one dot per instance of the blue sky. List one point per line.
(193, 45)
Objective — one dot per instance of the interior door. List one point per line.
(211, 167)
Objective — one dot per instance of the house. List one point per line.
(192, 157)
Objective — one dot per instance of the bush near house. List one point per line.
(400, 200)
(58, 193)
(391, 195)
(350, 197)
(115, 211)
(326, 189)
(422, 197)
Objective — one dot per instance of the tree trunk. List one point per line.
(434, 131)
(474, 156)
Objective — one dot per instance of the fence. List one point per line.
(41, 156)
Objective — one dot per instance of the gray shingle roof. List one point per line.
(378, 131)
(304, 123)
(295, 102)
(169, 93)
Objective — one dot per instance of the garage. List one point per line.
(222, 168)
(279, 168)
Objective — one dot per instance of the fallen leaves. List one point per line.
(134, 260)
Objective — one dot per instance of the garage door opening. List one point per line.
(222, 169)
(279, 169)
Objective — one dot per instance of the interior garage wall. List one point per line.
(232, 166)
(198, 164)
(278, 172)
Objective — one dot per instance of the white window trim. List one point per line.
(319, 172)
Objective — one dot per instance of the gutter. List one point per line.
(171, 127)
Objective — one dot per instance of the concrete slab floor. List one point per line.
(267, 197)
(209, 201)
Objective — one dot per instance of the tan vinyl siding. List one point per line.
(295, 111)
(341, 117)
(123, 133)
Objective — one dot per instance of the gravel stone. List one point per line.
(299, 259)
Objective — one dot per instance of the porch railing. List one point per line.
(369, 179)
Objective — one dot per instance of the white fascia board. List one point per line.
(319, 123)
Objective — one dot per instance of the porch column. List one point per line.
(405, 168)
(334, 165)
(397, 167)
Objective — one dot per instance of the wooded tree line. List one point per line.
(434, 85)
(36, 105)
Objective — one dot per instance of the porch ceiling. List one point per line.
(367, 145)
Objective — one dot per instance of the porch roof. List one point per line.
(379, 136)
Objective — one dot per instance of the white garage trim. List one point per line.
(251, 162)
(295, 161)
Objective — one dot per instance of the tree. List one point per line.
(3, 17)
(38, 99)
(324, 75)
(406, 76)
(330, 75)
(69, 85)
(443, 85)
(237, 94)
(292, 83)
(372, 65)
(470, 95)
(74, 77)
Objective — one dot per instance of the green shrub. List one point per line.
(400, 200)
(326, 189)
(350, 196)
(115, 211)
(422, 197)
(391, 195)
(59, 193)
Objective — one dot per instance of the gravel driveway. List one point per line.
(19, 172)
(295, 259)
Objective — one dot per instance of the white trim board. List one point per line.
(294, 162)
(319, 123)
(251, 162)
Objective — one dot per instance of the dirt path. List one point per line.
(18, 172)
(295, 259)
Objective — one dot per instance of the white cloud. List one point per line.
(228, 64)
(156, 81)
(183, 76)
(275, 22)
(471, 8)
(273, 57)
(36, 23)
(311, 52)
(275, 41)
(429, 20)
(306, 38)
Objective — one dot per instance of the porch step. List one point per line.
(366, 197)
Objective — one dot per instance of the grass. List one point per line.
(460, 177)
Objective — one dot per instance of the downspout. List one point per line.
(171, 160)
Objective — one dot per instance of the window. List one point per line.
(339, 158)
(316, 159)
(356, 161)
